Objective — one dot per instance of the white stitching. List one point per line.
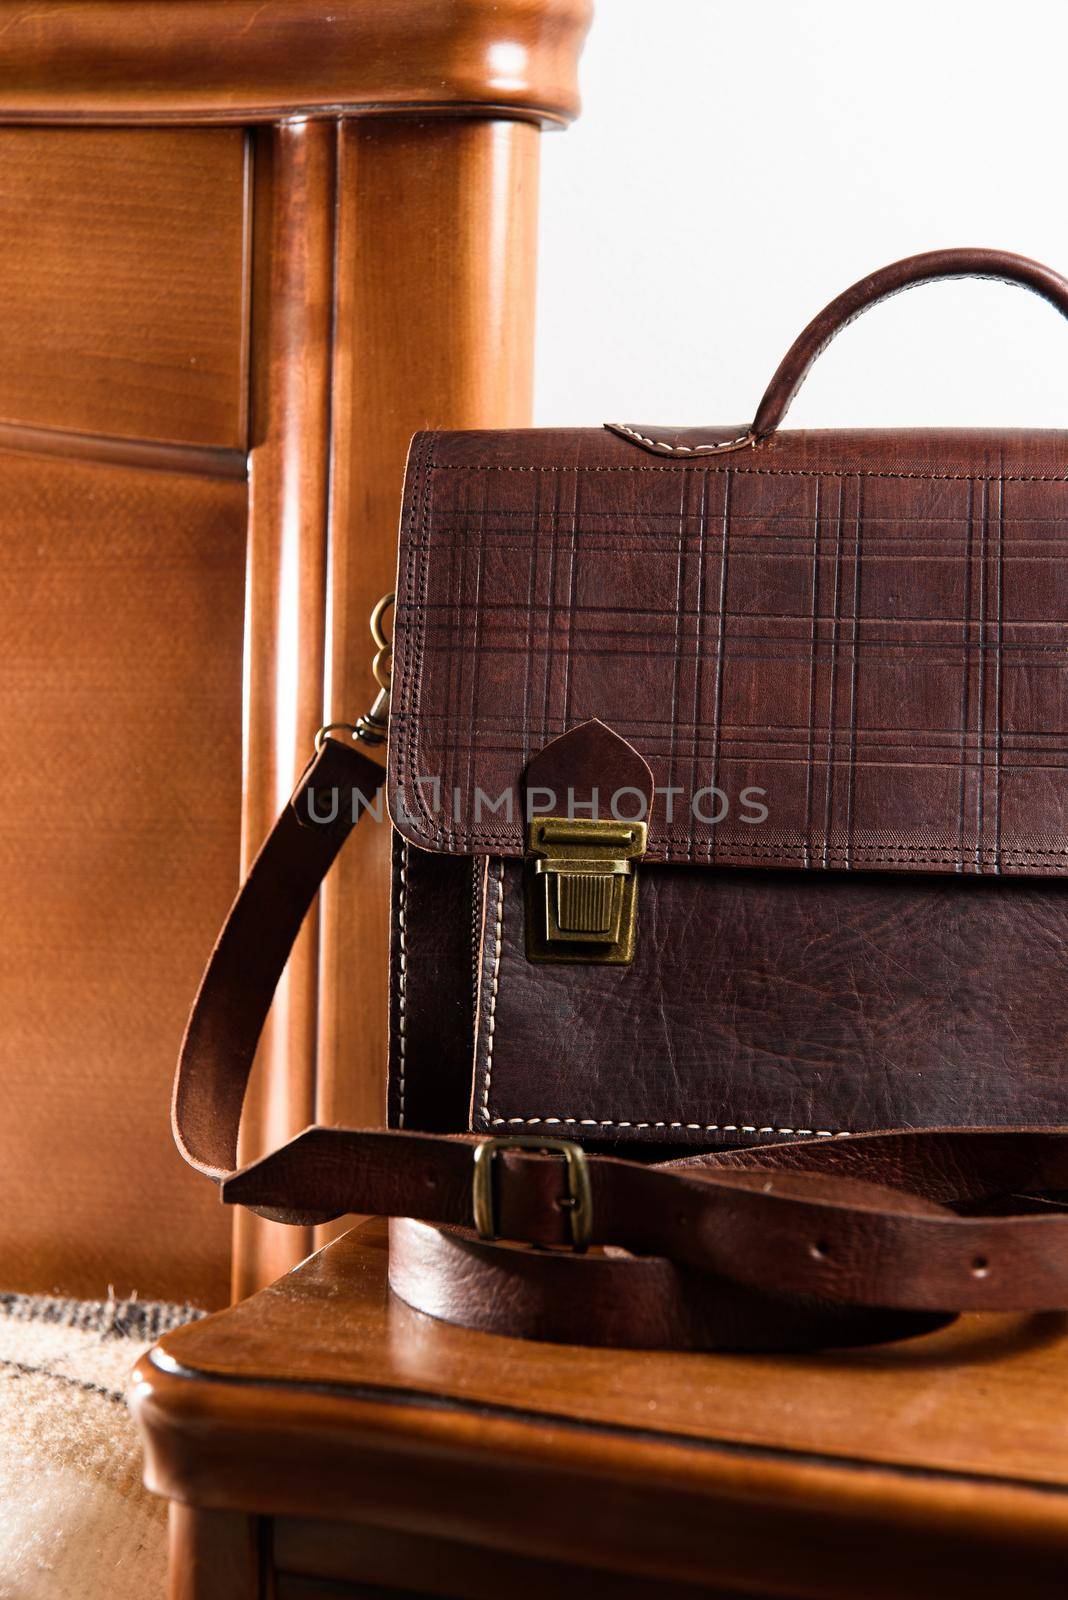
(695, 1127)
(594, 1122)
(783, 472)
(491, 1018)
(748, 437)
(402, 1002)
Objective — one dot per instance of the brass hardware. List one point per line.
(373, 726)
(382, 665)
(578, 1201)
(582, 890)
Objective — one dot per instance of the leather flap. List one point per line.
(834, 650)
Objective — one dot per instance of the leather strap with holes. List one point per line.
(798, 1244)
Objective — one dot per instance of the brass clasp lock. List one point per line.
(582, 890)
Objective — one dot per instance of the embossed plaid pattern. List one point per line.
(881, 649)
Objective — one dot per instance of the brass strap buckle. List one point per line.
(578, 1202)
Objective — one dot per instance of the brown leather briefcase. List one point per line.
(728, 773)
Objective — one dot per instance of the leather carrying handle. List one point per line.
(1003, 266)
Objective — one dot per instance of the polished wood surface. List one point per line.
(121, 594)
(289, 496)
(123, 283)
(215, 1555)
(123, 397)
(436, 256)
(314, 1552)
(932, 1468)
(405, 303)
(246, 61)
(259, 315)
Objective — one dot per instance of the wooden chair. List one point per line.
(245, 251)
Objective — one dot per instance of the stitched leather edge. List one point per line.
(781, 472)
(695, 1127)
(494, 977)
(598, 1122)
(402, 979)
(746, 438)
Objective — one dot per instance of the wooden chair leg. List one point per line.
(215, 1555)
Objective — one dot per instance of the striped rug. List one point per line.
(74, 1518)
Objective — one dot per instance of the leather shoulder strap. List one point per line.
(251, 952)
(893, 1220)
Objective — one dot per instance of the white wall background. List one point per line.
(737, 165)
